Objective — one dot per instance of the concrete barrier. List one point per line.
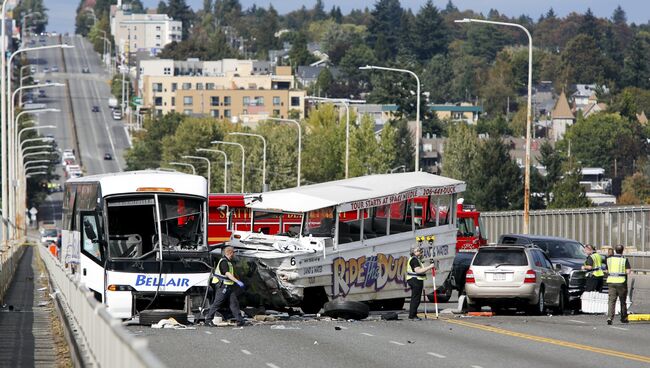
(105, 342)
(9, 259)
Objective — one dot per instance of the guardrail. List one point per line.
(9, 259)
(108, 343)
(599, 226)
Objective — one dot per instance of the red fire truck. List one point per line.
(469, 235)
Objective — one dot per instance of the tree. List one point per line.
(38, 20)
(499, 86)
(553, 161)
(460, 149)
(603, 138)
(282, 154)
(179, 10)
(147, 146)
(437, 77)
(431, 34)
(582, 62)
(227, 12)
(568, 193)
(324, 148)
(299, 54)
(386, 157)
(495, 179)
(636, 63)
(384, 29)
(323, 82)
(405, 152)
(636, 190)
(364, 148)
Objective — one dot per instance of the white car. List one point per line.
(49, 235)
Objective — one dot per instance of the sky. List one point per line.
(62, 12)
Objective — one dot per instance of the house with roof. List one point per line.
(643, 120)
(585, 95)
(458, 112)
(561, 117)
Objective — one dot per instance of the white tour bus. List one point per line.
(353, 242)
(137, 239)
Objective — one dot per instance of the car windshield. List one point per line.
(501, 257)
(561, 249)
(50, 233)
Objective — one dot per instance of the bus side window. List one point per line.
(90, 237)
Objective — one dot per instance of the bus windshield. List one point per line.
(133, 231)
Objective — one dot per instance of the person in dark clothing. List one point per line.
(224, 280)
(415, 276)
(594, 264)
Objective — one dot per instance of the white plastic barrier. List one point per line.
(9, 259)
(109, 344)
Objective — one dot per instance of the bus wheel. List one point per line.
(346, 309)
(153, 316)
(313, 300)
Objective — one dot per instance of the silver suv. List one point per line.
(514, 277)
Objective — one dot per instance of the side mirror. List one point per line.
(89, 231)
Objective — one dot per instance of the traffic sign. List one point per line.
(137, 100)
(33, 211)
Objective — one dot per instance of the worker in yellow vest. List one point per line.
(224, 281)
(415, 276)
(617, 270)
(595, 265)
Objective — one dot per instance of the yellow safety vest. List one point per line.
(616, 269)
(217, 275)
(596, 266)
(410, 273)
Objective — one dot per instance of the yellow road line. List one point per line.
(563, 343)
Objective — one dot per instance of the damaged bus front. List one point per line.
(137, 239)
(353, 242)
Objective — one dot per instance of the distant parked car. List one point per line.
(55, 68)
(95, 108)
(506, 276)
(108, 156)
(46, 69)
(85, 70)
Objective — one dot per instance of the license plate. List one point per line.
(499, 276)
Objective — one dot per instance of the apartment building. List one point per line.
(143, 32)
(239, 90)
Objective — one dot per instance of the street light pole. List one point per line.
(299, 141)
(225, 165)
(346, 103)
(529, 118)
(185, 164)
(264, 185)
(3, 126)
(418, 129)
(207, 162)
(243, 159)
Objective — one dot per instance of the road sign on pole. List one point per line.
(33, 211)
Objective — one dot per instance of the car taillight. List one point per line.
(531, 277)
(469, 277)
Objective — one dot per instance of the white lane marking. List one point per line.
(98, 96)
(225, 341)
(367, 334)
(342, 328)
(436, 355)
(620, 328)
(476, 366)
(271, 365)
(246, 352)
(576, 321)
(396, 343)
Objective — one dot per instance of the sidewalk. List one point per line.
(26, 319)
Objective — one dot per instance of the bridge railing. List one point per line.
(107, 342)
(9, 258)
(599, 226)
